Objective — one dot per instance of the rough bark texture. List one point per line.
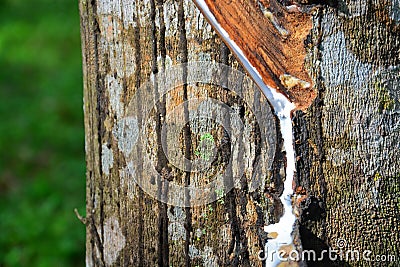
(346, 142)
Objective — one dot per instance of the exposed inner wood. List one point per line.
(273, 40)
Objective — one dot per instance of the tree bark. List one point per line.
(347, 144)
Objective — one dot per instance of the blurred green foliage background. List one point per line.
(42, 164)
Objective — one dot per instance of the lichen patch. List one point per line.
(206, 254)
(115, 91)
(176, 229)
(126, 132)
(107, 159)
(127, 179)
(114, 240)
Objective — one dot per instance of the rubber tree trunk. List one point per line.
(138, 134)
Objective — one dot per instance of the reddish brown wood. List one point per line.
(272, 38)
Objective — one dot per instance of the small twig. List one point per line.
(82, 219)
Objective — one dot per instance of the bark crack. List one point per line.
(162, 161)
(183, 46)
(138, 73)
